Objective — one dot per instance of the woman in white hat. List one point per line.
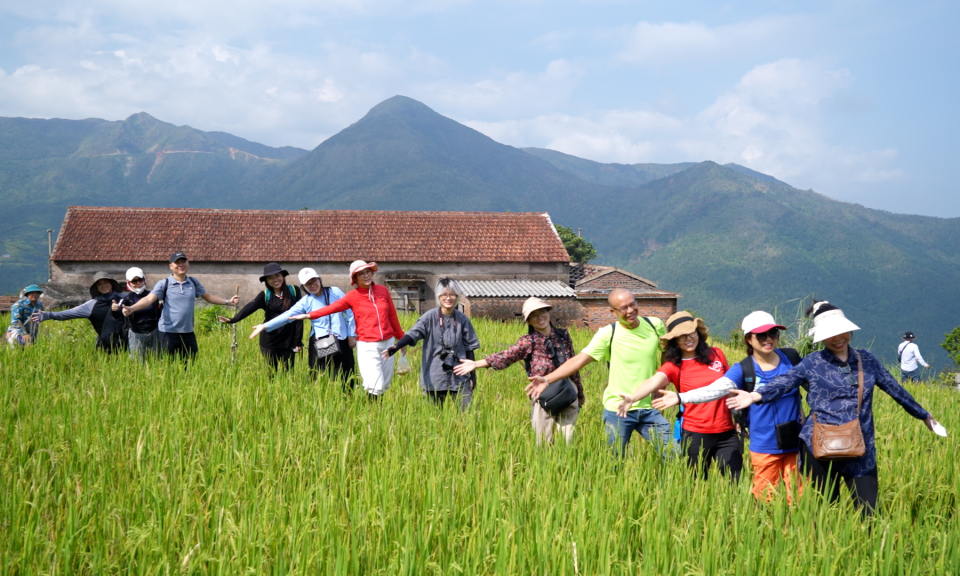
(332, 338)
(543, 349)
(377, 325)
(142, 336)
(774, 427)
(689, 363)
(831, 378)
(448, 336)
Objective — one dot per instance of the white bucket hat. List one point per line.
(134, 273)
(307, 274)
(830, 323)
(759, 322)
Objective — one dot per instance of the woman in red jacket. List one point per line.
(377, 325)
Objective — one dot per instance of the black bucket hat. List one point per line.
(271, 269)
(94, 293)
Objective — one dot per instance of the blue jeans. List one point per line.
(651, 425)
(910, 375)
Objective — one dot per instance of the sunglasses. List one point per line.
(772, 334)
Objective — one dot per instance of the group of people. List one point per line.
(719, 403)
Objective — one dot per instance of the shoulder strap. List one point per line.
(749, 373)
(650, 323)
(792, 355)
(859, 383)
(613, 331)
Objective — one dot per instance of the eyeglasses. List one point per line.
(690, 336)
(772, 334)
(631, 306)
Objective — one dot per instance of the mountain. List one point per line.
(728, 238)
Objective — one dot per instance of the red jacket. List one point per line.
(372, 309)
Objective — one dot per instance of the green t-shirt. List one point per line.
(636, 357)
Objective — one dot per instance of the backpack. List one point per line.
(267, 293)
(750, 381)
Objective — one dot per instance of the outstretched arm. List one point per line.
(539, 383)
(144, 303)
(656, 382)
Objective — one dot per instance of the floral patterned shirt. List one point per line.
(831, 386)
(538, 349)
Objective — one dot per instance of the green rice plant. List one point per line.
(113, 466)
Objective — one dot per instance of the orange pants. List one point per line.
(768, 469)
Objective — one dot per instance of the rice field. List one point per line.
(110, 466)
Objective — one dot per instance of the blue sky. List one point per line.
(854, 99)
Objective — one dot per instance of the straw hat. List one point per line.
(830, 323)
(532, 305)
(359, 265)
(681, 324)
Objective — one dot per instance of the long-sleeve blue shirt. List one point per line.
(342, 324)
(831, 386)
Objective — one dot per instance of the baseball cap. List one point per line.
(759, 322)
(178, 255)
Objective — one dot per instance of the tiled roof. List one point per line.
(152, 234)
(600, 280)
(516, 289)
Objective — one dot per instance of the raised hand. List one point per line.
(36, 317)
(257, 329)
(126, 310)
(665, 399)
(115, 306)
(465, 367)
(233, 301)
(537, 385)
(741, 399)
(223, 319)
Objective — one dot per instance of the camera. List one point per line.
(448, 359)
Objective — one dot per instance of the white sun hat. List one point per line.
(307, 274)
(830, 323)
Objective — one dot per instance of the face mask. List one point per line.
(139, 290)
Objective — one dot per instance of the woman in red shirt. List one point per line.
(377, 325)
(709, 434)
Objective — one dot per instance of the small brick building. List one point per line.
(503, 299)
(594, 287)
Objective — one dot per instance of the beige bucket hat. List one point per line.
(532, 305)
(680, 324)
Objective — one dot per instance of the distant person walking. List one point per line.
(104, 291)
(910, 359)
(23, 328)
(279, 347)
(332, 338)
(689, 363)
(840, 382)
(378, 326)
(448, 336)
(632, 347)
(143, 337)
(179, 293)
(543, 350)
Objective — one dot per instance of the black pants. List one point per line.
(179, 344)
(864, 489)
(341, 364)
(725, 448)
(279, 357)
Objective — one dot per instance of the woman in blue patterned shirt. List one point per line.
(830, 378)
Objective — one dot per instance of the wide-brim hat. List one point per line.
(359, 265)
(759, 322)
(307, 274)
(681, 324)
(271, 269)
(830, 324)
(32, 288)
(532, 305)
(102, 276)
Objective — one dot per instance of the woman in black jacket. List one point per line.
(280, 346)
(142, 336)
(104, 291)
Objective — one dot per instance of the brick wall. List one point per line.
(597, 313)
(6, 302)
(566, 311)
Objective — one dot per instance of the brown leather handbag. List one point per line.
(843, 441)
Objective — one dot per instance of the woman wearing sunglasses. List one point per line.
(774, 427)
(709, 434)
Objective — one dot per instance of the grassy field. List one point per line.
(110, 466)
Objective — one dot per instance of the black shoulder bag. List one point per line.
(558, 396)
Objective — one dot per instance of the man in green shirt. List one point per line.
(634, 356)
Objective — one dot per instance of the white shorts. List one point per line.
(375, 372)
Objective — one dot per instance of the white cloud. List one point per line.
(671, 42)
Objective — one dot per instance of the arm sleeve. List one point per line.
(81, 311)
(708, 393)
(407, 340)
(258, 303)
(338, 306)
(199, 288)
(519, 351)
(282, 320)
(889, 384)
(419, 330)
(784, 383)
(599, 346)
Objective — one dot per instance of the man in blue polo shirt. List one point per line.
(179, 293)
